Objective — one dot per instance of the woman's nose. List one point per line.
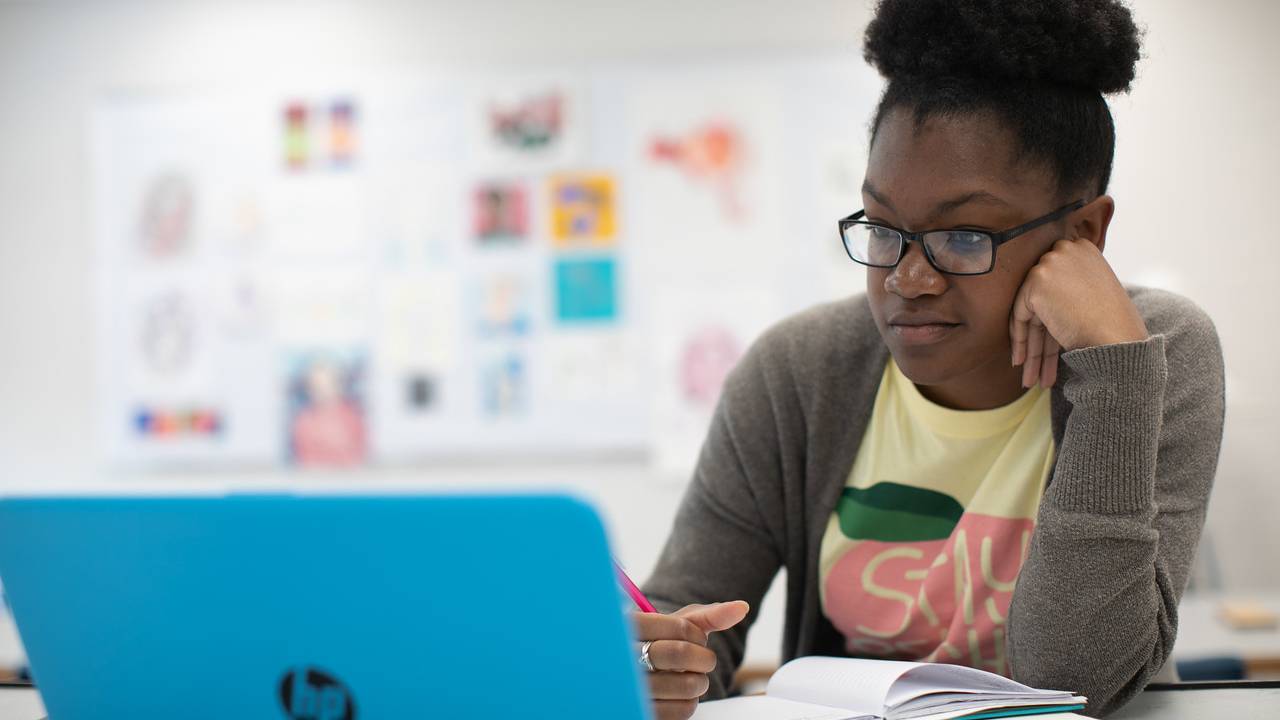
(914, 276)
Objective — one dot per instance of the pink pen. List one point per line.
(637, 597)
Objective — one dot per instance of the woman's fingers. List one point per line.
(1018, 339)
(1049, 363)
(681, 656)
(678, 685)
(716, 616)
(674, 709)
(656, 626)
(1035, 351)
(1019, 325)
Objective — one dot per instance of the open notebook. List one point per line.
(825, 688)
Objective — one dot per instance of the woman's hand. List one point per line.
(1071, 299)
(679, 653)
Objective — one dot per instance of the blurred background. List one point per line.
(328, 246)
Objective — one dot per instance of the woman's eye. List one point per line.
(966, 242)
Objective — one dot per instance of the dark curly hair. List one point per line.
(1039, 66)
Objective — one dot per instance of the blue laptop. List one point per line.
(319, 608)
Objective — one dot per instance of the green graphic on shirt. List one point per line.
(890, 512)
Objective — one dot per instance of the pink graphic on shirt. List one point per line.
(935, 600)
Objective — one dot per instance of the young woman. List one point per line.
(996, 408)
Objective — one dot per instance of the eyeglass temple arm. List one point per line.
(1001, 238)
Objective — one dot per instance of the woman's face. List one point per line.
(959, 172)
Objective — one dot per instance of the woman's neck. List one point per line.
(988, 386)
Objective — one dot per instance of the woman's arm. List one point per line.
(723, 545)
(1095, 609)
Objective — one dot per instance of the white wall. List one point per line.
(1193, 170)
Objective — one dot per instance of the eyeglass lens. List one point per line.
(953, 251)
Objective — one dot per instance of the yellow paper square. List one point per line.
(583, 210)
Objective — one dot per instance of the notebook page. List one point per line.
(763, 707)
(938, 701)
(941, 677)
(850, 683)
(953, 710)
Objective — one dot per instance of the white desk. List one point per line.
(1202, 634)
(1199, 704)
(24, 704)
(20, 704)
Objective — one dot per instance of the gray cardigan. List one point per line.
(1136, 426)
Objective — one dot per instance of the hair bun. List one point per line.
(1091, 44)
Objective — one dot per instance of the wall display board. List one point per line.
(493, 263)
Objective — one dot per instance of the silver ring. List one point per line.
(644, 656)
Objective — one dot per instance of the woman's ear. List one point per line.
(1092, 220)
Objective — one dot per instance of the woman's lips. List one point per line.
(922, 334)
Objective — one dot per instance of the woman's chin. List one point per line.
(924, 371)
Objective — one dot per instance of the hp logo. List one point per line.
(309, 693)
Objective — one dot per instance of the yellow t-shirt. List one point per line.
(920, 557)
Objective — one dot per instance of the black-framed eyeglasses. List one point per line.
(953, 252)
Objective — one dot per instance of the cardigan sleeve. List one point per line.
(725, 544)
(1096, 605)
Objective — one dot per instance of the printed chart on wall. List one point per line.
(394, 271)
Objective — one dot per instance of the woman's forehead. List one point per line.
(922, 165)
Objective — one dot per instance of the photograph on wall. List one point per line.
(326, 408)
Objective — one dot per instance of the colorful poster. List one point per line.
(297, 136)
(320, 134)
(586, 290)
(583, 210)
(712, 154)
(504, 305)
(500, 213)
(700, 336)
(326, 409)
(707, 176)
(533, 123)
(529, 124)
(342, 133)
(421, 379)
(504, 385)
(173, 423)
(708, 354)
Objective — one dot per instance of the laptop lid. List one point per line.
(319, 608)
